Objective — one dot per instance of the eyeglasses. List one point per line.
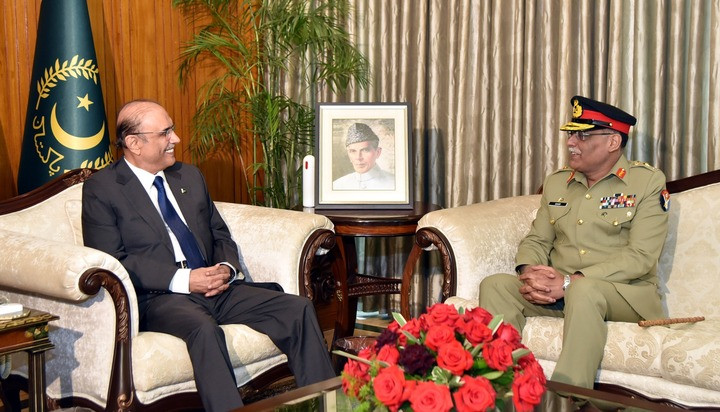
(164, 133)
(583, 136)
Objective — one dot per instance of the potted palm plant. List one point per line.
(271, 57)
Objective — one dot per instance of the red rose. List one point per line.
(357, 370)
(453, 357)
(527, 391)
(439, 335)
(430, 397)
(388, 354)
(498, 354)
(394, 326)
(528, 364)
(413, 327)
(475, 332)
(509, 334)
(389, 385)
(476, 394)
(355, 375)
(408, 390)
(351, 386)
(441, 314)
(479, 314)
(367, 353)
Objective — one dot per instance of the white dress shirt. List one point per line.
(180, 282)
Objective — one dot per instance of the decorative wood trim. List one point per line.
(321, 238)
(662, 403)
(121, 389)
(429, 236)
(45, 191)
(692, 182)
(408, 272)
(425, 238)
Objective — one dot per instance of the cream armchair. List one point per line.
(100, 359)
(675, 364)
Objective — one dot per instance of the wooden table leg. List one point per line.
(351, 269)
(36, 381)
(408, 273)
(346, 310)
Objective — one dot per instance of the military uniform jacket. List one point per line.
(614, 230)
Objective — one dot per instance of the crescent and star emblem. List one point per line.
(74, 142)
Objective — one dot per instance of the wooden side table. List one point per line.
(30, 334)
(352, 223)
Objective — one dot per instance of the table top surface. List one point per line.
(28, 317)
(378, 215)
(327, 396)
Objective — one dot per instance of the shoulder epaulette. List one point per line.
(645, 165)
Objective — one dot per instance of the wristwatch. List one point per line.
(566, 282)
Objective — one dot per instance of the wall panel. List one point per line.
(137, 43)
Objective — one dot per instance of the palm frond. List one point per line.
(255, 46)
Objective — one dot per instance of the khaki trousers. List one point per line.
(588, 303)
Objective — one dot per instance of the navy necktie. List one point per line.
(187, 241)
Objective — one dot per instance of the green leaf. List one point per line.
(492, 375)
(359, 359)
(399, 319)
(495, 323)
(254, 46)
(410, 337)
(519, 353)
(440, 375)
(475, 352)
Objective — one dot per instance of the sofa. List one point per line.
(676, 364)
(101, 360)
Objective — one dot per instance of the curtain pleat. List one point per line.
(490, 82)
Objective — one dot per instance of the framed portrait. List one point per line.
(363, 156)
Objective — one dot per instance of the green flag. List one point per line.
(66, 127)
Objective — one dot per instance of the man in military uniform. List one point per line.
(591, 253)
(362, 146)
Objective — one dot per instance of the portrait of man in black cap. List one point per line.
(591, 253)
(362, 146)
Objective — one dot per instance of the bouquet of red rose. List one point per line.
(445, 359)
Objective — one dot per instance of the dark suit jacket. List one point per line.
(119, 218)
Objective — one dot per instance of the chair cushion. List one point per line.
(73, 210)
(690, 354)
(682, 353)
(688, 269)
(630, 348)
(161, 363)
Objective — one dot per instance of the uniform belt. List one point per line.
(182, 264)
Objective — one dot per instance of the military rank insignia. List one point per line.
(617, 201)
(621, 173)
(665, 200)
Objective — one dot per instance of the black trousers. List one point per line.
(289, 320)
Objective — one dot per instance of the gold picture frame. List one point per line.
(363, 156)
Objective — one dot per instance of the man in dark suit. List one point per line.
(139, 210)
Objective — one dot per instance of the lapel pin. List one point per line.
(182, 190)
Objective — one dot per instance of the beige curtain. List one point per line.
(490, 82)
